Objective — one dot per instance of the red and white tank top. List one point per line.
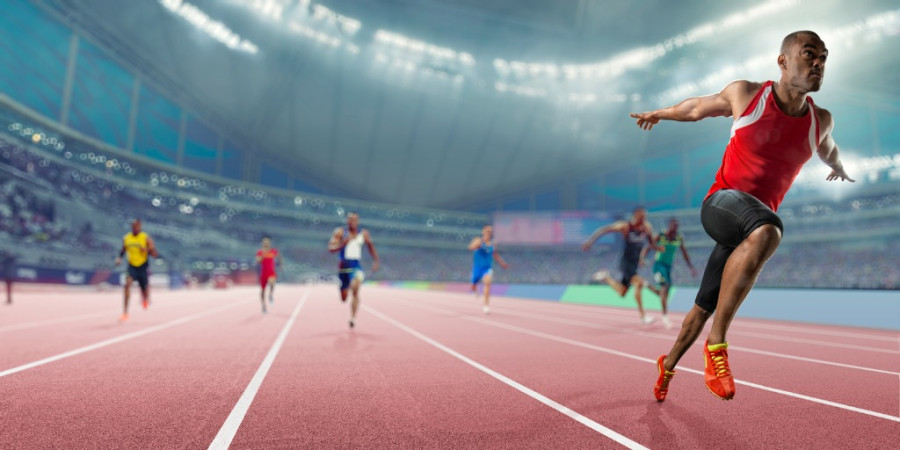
(767, 149)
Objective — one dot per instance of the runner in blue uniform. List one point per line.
(484, 253)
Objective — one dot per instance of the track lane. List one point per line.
(690, 394)
(624, 321)
(377, 386)
(856, 387)
(169, 389)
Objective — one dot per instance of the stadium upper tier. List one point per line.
(126, 170)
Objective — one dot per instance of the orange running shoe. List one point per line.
(145, 303)
(718, 376)
(662, 383)
(123, 318)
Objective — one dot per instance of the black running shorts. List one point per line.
(728, 216)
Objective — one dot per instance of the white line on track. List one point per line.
(628, 316)
(653, 361)
(118, 339)
(41, 323)
(732, 331)
(59, 320)
(512, 383)
(236, 417)
(669, 338)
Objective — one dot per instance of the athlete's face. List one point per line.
(487, 232)
(136, 227)
(639, 215)
(673, 226)
(352, 221)
(803, 63)
(266, 243)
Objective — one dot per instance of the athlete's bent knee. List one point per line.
(767, 235)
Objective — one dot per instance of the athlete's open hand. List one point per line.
(835, 174)
(375, 266)
(118, 261)
(645, 120)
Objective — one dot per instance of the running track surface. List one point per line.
(205, 369)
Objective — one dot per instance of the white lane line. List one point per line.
(685, 369)
(745, 333)
(118, 339)
(525, 390)
(41, 323)
(653, 361)
(236, 417)
(605, 312)
(669, 338)
(105, 312)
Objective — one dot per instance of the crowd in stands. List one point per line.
(77, 203)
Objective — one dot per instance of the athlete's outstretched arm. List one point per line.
(828, 150)
(371, 247)
(616, 226)
(475, 244)
(151, 248)
(653, 246)
(687, 258)
(500, 260)
(697, 108)
(337, 241)
(121, 254)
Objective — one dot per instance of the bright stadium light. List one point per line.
(639, 57)
(217, 30)
(873, 27)
(346, 24)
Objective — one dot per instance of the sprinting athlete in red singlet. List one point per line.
(267, 257)
(776, 129)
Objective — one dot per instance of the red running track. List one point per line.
(205, 369)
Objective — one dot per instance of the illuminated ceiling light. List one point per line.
(272, 9)
(217, 30)
(421, 49)
(881, 24)
(346, 24)
(642, 57)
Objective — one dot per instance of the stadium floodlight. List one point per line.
(343, 23)
(215, 29)
(873, 27)
(643, 56)
(272, 9)
(416, 49)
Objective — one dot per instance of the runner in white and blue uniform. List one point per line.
(349, 242)
(636, 234)
(483, 256)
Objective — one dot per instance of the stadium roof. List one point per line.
(443, 103)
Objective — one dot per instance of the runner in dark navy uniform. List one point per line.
(637, 233)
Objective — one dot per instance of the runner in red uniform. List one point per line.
(267, 257)
(776, 129)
